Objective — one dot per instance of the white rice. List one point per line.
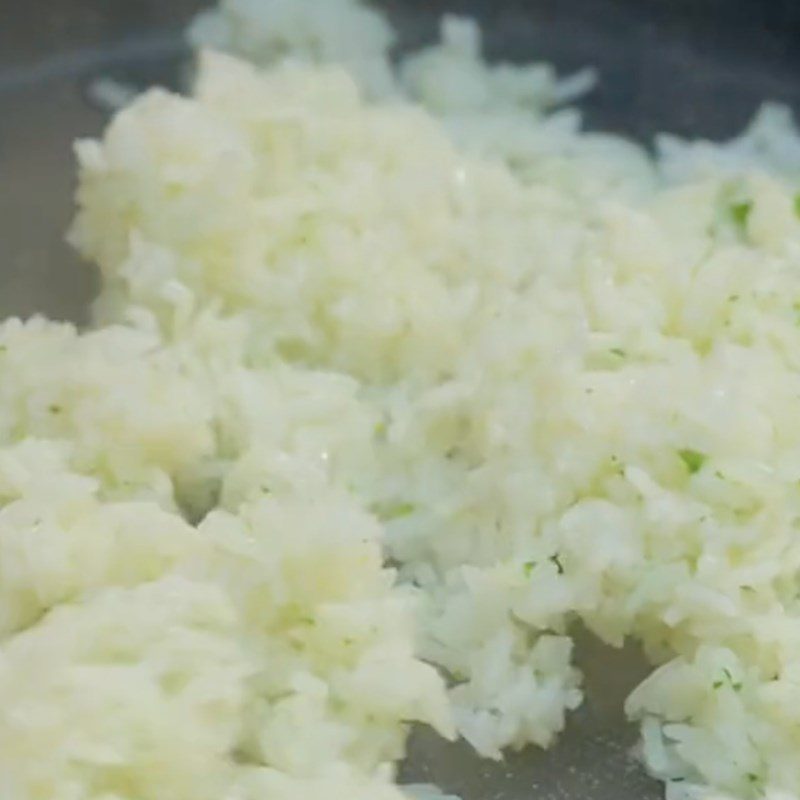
(266, 32)
(252, 656)
(560, 375)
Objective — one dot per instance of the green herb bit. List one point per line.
(797, 204)
(528, 567)
(617, 351)
(55, 409)
(735, 685)
(693, 460)
(619, 467)
(397, 510)
(557, 561)
(741, 212)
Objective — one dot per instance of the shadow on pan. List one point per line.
(691, 67)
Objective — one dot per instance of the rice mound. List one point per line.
(352, 310)
(252, 656)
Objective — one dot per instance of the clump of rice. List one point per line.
(132, 419)
(252, 656)
(266, 32)
(341, 300)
